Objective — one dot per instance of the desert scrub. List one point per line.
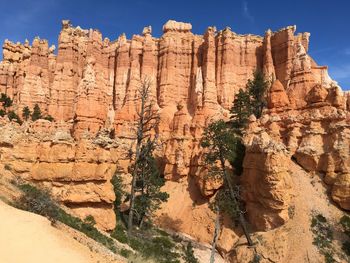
(345, 223)
(188, 255)
(160, 249)
(119, 234)
(323, 236)
(155, 245)
(39, 201)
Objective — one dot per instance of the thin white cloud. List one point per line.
(340, 72)
(246, 12)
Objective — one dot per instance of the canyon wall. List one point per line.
(90, 89)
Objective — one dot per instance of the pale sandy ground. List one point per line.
(27, 237)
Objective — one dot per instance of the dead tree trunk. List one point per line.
(216, 236)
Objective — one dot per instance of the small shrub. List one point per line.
(2, 113)
(13, 116)
(323, 236)
(291, 211)
(162, 232)
(40, 202)
(37, 201)
(36, 113)
(90, 220)
(160, 249)
(188, 255)
(346, 247)
(7, 167)
(49, 118)
(26, 113)
(345, 223)
(5, 100)
(256, 258)
(125, 252)
(119, 234)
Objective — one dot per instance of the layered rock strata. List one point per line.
(90, 88)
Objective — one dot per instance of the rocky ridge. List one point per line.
(90, 88)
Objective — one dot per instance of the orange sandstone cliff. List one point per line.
(89, 86)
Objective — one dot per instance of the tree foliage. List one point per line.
(257, 90)
(36, 113)
(241, 110)
(248, 102)
(222, 145)
(13, 116)
(145, 195)
(5, 101)
(148, 183)
(26, 113)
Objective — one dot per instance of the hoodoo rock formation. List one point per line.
(90, 89)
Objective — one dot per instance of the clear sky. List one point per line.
(328, 21)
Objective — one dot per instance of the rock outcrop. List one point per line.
(90, 88)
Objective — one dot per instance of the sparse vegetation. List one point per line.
(221, 144)
(26, 113)
(6, 101)
(250, 101)
(323, 236)
(256, 258)
(120, 234)
(188, 256)
(39, 201)
(125, 252)
(49, 118)
(36, 115)
(345, 223)
(13, 116)
(291, 211)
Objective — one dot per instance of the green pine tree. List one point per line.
(257, 89)
(36, 113)
(26, 113)
(13, 116)
(221, 146)
(241, 110)
(148, 185)
(5, 101)
(49, 118)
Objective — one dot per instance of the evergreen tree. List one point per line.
(257, 90)
(145, 195)
(5, 101)
(36, 113)
(13, 116)
(241, 110)
(189, 256)
(248, 102)
(26, 113)
(49, 118)
(222, 146)
(148, 184)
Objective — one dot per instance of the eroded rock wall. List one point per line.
(90, 88)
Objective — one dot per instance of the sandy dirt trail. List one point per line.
(27, 237)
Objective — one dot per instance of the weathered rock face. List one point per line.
(316, 137)
(267, 182)
(77, 172)
(90, 88)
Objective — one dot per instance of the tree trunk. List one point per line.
(216, 236)
(241, 218)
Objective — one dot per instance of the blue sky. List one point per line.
(327, 21)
